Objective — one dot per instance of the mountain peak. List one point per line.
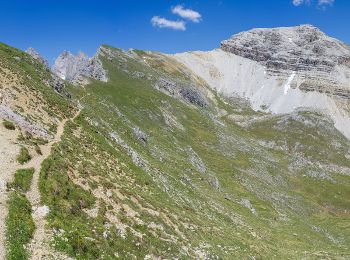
(72, 68)
(298, 48)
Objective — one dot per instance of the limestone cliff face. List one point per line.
(281, 70)
(323, 62)
(75, 68)
(300, 48)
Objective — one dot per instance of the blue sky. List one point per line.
(51, 26)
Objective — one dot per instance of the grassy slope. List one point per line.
(171, 208)
(22, 78)
(32, 78)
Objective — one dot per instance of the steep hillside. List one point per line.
(33, 102)
(167, 159)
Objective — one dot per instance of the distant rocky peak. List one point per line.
(75, 68)
(35, 55)
(299, 48)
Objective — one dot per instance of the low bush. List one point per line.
(23, 179)
(9, 125)
(23, 156)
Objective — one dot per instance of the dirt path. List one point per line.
(9, 149)
(39, 247)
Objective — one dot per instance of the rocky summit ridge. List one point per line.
(77, 68)
(303, 49)
(299, 48)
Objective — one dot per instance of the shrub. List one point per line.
(23, 156)
(23, 179)
(9, 125)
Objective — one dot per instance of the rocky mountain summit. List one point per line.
(77, 68)
(300, 48)
(303, 49)
(281, 70)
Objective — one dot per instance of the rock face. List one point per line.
(32, 52)
(301, 48)
(280, 70)
(188, 93)
(323, 62)
(75, 68)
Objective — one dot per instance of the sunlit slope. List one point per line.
(159, 165)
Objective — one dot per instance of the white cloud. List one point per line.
(187, 13)
(165, 23)
(321, 3)
(325, 2)
(298, 2)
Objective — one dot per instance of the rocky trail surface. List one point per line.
(39, 248)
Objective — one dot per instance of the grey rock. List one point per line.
(214, 182)
(74, 68)
(297, 48)
(246, 203)
(7, 113)
(35, 55)
(196, 161)
(140, 136)
(188, 93)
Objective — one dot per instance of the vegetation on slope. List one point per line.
(19, 223)
(23, 156)
(9, 125)
(23, 178)
(158, 165)
(144, 172)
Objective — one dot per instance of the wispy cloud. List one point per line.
(325, 2)
(297, 2)
(300, 2)
(189, 14)
(165, 23)
(320, 3)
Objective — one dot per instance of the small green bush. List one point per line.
(9, 125)
(23, 156)
(23, 179)
(20, 227)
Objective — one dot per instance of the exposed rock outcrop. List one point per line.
(190, 94)
(32, 52)
(300, 48)
(322, 62)
(75, 68)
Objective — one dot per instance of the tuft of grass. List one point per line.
(20, 226)
(23, 156)
(23, 178)
(9, 125)
(38, 150)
